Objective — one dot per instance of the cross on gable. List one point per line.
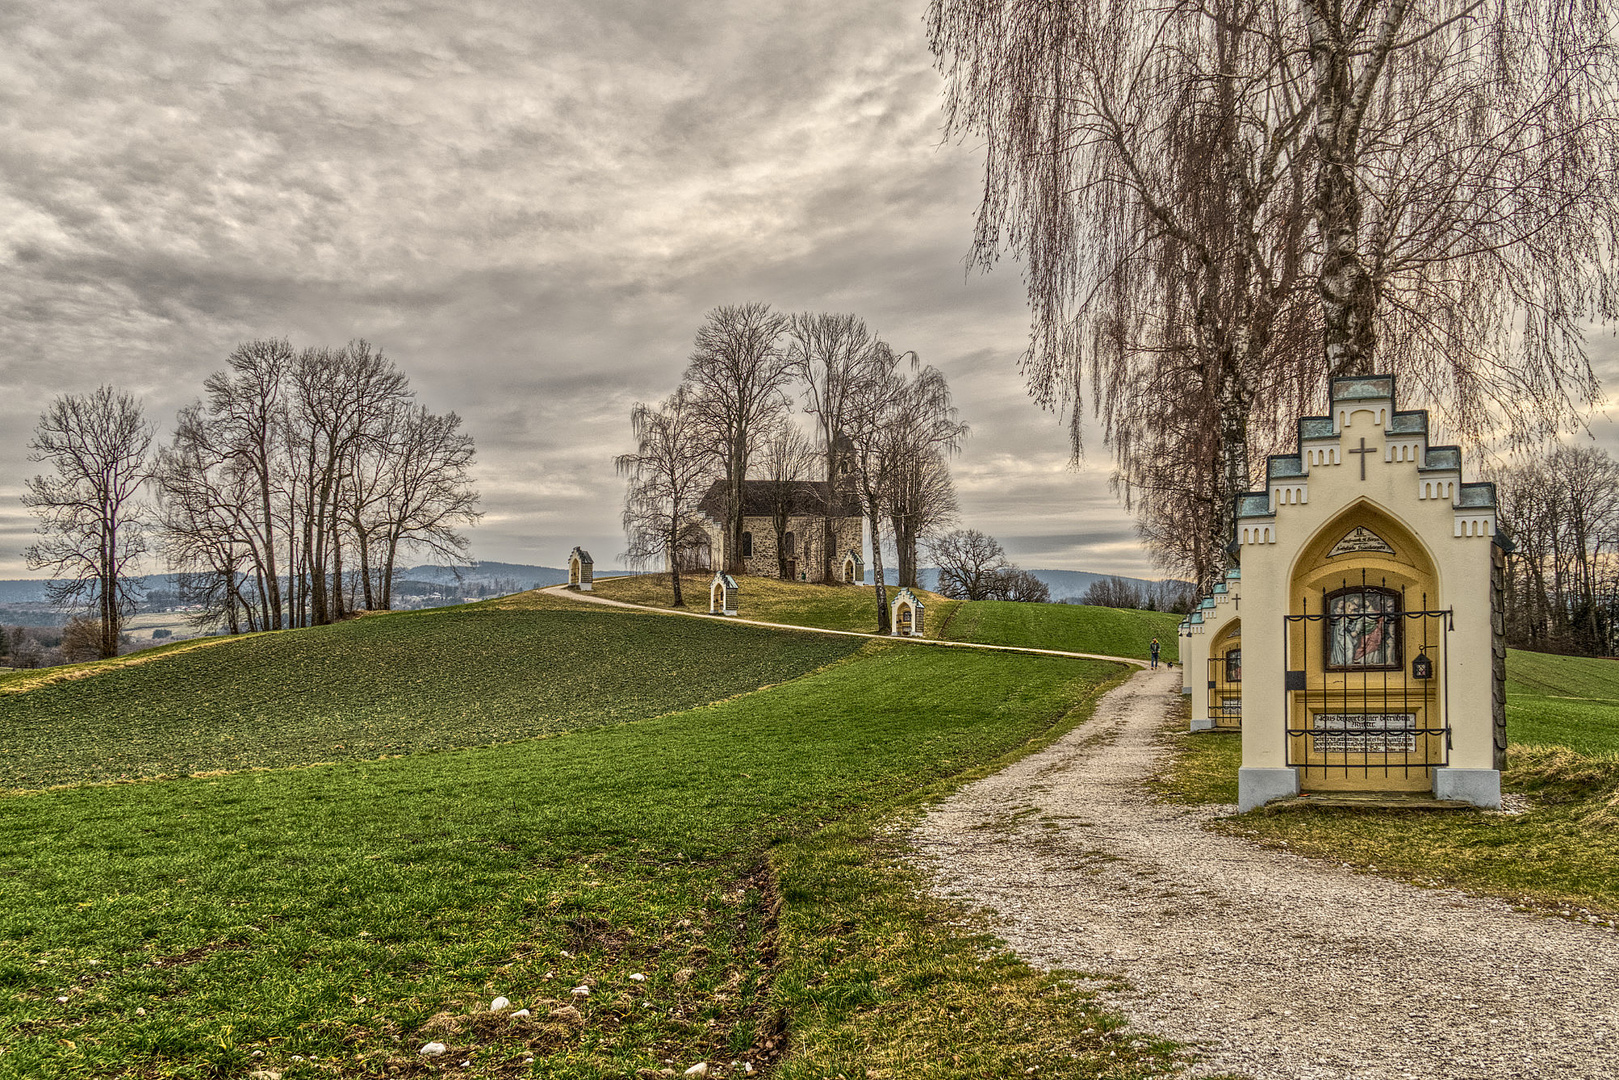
(1363, 451)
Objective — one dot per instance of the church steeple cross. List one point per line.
(1363, 451)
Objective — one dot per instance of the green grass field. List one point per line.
(331, 919)
(431, 680)
(1073, 627)
(1562, 853)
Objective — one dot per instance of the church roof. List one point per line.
(804, 497)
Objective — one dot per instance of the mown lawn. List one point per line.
(1561, 854)
(1073, 627)
(330, 920)
(383, 685)
(829, 607)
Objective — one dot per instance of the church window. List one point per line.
(747, 545)
(790, 543)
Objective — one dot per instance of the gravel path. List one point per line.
(1271, 965)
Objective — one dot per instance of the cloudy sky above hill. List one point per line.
(529, 207)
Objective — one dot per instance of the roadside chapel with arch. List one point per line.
(1211, 656)
(722, 593)
(1372, 651)
(905, 616)
(581, 570)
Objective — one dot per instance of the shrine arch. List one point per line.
(1365, 640)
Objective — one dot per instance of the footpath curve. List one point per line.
(588, 598)
(1271, 965)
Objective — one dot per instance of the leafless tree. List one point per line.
(968, 561)
(427, 491)
(921, 500)
(1019, 586)
(788, 459)
(340, 398)
(738, 375)
(840, 363)
(246, 408)
(1158, 168)
(901, 423)
(668, 472)
(91, 522)
(1561, 509)
(1115, 592)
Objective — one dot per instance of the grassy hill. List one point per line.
(1570, 701)
(1074, 627)
(829, 607)
(707, 813)
(1071, 627)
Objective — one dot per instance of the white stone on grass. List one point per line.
(581, 991)
(434, 1049)
(637, 977)
(500, 1004)
(699, 1069)
(520, 1012)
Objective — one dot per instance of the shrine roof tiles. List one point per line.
(584, 556)
(1476, 495)
(1234, 574)
(1221, 588)
(1316, 427)
(1367, 388)
(1443, 459)
(1254, 505)
(1414, 422)
(1282, 465)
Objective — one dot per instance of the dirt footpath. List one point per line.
(1271, 965)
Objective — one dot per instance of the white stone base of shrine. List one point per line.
(1258, 786)
(1481, 787)
(1204, 724)
(584, 586)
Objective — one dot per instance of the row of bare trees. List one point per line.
(1219, 204)
(884, 426)
(1561, 509)
(298, 475)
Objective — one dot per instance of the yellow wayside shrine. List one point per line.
(1372, 644)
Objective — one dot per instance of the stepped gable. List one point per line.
(1395, 437)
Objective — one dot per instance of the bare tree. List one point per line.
(1156, 168)
(968, 561)
(246, 407)
(1114, 592)
(738, 375)
(1018, 586)
(668, 472)
(426, 490)
(839, 361)
(91, 524)
(921, 501)
(788, 460)
(340, 398)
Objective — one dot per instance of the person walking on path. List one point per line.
(1155, 647)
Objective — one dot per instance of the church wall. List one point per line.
(808, 531)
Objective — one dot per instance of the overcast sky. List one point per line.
(529, 207)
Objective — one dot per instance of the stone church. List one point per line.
(807, 508)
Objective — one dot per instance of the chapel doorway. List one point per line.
(1366, 648)
(1225, 679)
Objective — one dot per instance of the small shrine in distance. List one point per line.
(722, 593)
(581, 570)
(1371, 580)
(906, 614)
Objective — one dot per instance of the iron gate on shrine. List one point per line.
(1225, 688)
(1366, 688)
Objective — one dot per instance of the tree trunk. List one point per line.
(874, 519)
